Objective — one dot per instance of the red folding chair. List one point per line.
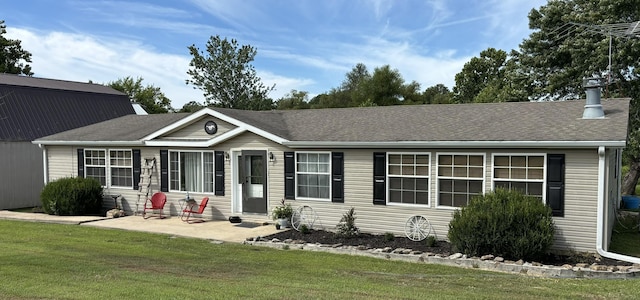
(189, 210)
(156, 202)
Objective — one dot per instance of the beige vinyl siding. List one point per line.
(576, 230)
(62, 161)
(358, 193)
(195, 130)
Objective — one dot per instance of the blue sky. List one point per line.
(303, 45)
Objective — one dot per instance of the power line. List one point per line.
(622, 30)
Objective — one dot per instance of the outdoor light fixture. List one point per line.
(226, 156)
(272, 157)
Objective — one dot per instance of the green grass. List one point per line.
(626, 237)
(53, 261)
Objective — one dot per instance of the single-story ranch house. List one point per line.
(388, 163)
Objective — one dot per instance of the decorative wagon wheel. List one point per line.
(417, 228)
(303, 215)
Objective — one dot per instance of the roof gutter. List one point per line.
(601, 213)
(88, 143)
(455, 144)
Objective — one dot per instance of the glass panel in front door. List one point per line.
(255, 178)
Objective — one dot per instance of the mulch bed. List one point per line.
(441, 247)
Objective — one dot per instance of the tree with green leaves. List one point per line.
(13, 59)
(353, 88)
(570, 42)
(149, 97)
(385, 87)
(293, 100)
(481, 78)
(437, 94)
(225, 74)
(191, 106)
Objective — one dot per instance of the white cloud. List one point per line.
(283, 84)
(76, 57)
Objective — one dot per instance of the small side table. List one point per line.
(115, 199)
(186, 203)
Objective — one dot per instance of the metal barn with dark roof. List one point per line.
(31, 108)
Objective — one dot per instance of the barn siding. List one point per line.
(22, 178)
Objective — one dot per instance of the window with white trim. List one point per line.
(191, 171)
(121, 168)
(408, 178)
(115, 165)
(313, 175)
(522, 172)
(460, 178)
(95, 165)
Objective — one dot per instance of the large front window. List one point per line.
(408, 178)
(313, 175)
(116, 165)
(191, 171)
(460, 178)
(520, 172)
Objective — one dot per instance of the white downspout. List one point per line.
(601, 217)
(44, 163)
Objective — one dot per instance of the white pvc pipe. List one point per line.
(44, 163)
(601, 213)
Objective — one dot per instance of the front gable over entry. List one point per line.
(204, 128)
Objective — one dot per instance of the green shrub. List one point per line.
(389, 236)
(431, 241)
(72, 196)
(503, 223)
(347, 226)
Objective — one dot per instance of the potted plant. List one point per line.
(282, 214)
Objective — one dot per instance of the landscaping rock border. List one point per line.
(486, 262)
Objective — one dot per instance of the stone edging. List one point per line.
(486, 263)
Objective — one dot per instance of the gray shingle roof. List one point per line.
(125, 128)
(514, 121)
(495, 122)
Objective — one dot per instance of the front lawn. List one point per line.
(53, 261)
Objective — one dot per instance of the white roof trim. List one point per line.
(89, 143)
(198, 144)
(455, 144)
(215, 114)
(184, 121)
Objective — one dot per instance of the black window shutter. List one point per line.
(379, 178)
(337, 174)
(164, 170)
(219, 173)
(555, 183)
(80, 162)
(289, 175)
(136, 168)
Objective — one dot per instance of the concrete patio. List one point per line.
(211, 230)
